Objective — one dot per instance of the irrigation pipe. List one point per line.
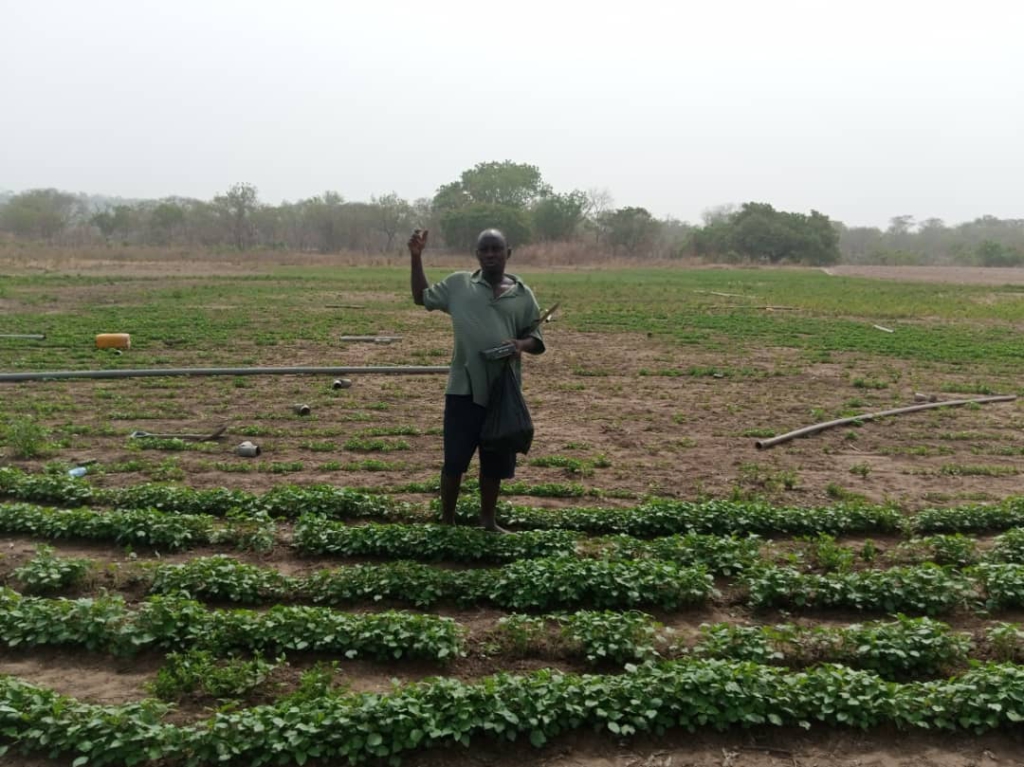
(370, 339)
(155, 372)
(807, 430)
(28, 336)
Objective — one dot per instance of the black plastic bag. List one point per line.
(507, 427)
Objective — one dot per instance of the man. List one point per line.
(488, 308)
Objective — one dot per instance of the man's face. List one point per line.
(492, 252)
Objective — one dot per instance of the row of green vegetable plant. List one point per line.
(615, 577)
(906, 647)
(280, 501)
(557, 583)
(366, 727)
(653, 518)
(565, 582)
(924, 589)
(553, 583)
(722, 554)
(137, 527)
(426, 542)
(900, 649)
(107, 624)
(957, 550)
(661, 517)
(200, 673)
(599, 636)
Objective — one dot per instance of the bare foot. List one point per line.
(495, 528)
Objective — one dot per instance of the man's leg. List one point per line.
(494, 467)
(462, 419)
(449, 497)
(490, 488)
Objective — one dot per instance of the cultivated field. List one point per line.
(833, 600)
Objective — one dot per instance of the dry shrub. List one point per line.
(34, 258)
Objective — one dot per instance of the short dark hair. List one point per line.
(491, 234)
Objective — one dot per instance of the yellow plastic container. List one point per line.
(114, 341)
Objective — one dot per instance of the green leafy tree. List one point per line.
(450, 197)
(758, 231)
(556, 216)
(392, 214)
(859, 243)
(323, 217)
(632, 229)
(462, 226)
(237, 205)
(820, 242)
(115, 221)
(504, 183)
(674, 237)
(991, 253)
(166, 221)
(40, 213)
(511, 184)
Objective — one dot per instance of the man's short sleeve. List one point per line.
(531, 316)
(438, 295)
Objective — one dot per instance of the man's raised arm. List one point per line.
(417, 243)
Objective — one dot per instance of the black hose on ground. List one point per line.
(57, 375)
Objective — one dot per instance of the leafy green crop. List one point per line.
(960, 519)
(1009, 547)
(726, 555)
(659, 517)
(597, 636)
(667, 517)
(553, 583)
(1003, 583)
(146, 527)
(953, 549)
(46, 572)
(1006, 641)
(220, 578)
(197, 672)
(429, 543)
(616, 637)
(177, 624)
(907, 647)
(366, 727)
(925, 589)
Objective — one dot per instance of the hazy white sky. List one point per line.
(862, 110)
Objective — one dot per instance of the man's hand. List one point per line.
(418, 242)
(527, 345)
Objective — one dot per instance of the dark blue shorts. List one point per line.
(463, 420)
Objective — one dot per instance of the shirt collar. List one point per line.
(478, 277)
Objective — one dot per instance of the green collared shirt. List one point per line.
(481, 321)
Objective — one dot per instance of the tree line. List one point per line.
(515, 198)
